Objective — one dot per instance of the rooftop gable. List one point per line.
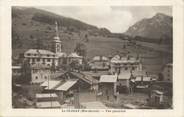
(108, 78)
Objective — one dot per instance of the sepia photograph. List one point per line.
(92, 57)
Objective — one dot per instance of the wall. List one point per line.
(40, 75)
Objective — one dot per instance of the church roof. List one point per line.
(61, 54)
(39, 51)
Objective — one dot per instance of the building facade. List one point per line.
(40, 73)
(120, 64)
(168, 72)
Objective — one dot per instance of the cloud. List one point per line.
(114, 18)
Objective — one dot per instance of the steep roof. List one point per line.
(67, 85)
(74, 55)
(50, 84)
(108, 78)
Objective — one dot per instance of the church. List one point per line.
(47, 59)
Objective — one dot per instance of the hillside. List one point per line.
(31, 26)
(159, 26)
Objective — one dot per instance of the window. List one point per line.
(45, 77)
(28, 54)
(126, 68)
(48, 59)
(33, 60)
(133, 68)
(48, 55)
(43, 61)
(38, 59)
(36, 77)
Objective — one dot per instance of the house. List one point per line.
(123, 83)
(40, 73)
(47, 57)
(16, 71)
(64, 89)
(158, 99)
(119, 64)
(38, 56)
(107, 87)
(168, 72)
(47, 100)
(100, 63)
(139, 73)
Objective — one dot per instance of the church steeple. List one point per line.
(56, 29)
(56, 41)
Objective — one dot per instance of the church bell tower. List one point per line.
(57, 42)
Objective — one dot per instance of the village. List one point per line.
(54, 79)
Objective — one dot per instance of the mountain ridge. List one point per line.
(158, 26)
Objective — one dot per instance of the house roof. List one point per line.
(118, 59)
(139, 73)
(145, 78)
(108, 78)
(45, 95)
(94, 105)
(50, 84)
(62, 54)
(124, 75)
(39, 51)
(100, 58)
(67, 85)
(85, 77)
(48, 104)
(74, 55)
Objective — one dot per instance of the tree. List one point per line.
(26, 72)
(160, 77)
(80, 49)
(74, 65)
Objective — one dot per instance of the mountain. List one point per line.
(157, 27)
(30, 25)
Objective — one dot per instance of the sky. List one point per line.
(117, 19)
